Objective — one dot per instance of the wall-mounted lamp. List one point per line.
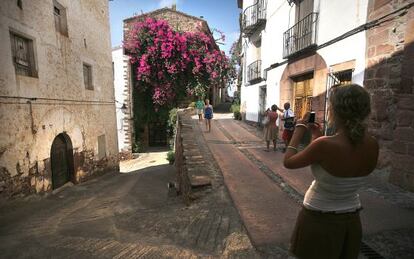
(290, 2)
(124, 109)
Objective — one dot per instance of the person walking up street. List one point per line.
(208, 114)
(271, 129)
(199, 106)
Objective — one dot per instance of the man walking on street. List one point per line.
(288, 119)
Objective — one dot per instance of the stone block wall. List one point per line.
(178, 20)
(189, 159)
(34, 110)
(389, 78)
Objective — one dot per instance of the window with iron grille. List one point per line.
(59, 13)
(302, 35)
(87, 76)
(23, 55)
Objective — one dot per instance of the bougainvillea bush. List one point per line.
(169, 63)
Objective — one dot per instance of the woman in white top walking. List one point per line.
(328, 225)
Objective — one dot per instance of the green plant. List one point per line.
(191, 105)
(137, 147)
(172, 126)
(172, 117)
(237, 115)
(171, 157)
(235, 109)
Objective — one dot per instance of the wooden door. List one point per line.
(157, 134)
(59, 162)
(303, 94)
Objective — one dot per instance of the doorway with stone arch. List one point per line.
(303, 84)
(61, 160)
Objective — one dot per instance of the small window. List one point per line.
(20, 4)
(23, 55)
(101, 146)
(87, 76)
(344, 77)
(113, 70)
(59, 13)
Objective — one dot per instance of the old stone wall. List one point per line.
(389, 78)
(36, 109)
(179, 21)
(189, 158)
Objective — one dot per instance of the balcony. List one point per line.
(300, 36)
(254, 16)
(254, 72)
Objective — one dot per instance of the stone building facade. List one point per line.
(179, 21)
(296, 50)
(390, 80)
(56, 94)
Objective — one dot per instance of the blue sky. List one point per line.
(220, 14)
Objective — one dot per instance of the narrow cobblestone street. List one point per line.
(124, 216)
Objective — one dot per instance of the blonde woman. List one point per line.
(208, 114)
(329, 226)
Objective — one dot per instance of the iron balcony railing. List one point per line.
(254, 16)
(300, 36)
(254, 72)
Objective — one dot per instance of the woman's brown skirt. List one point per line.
(326, 235)
(271, 133)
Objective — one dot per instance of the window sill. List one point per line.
(28, 77)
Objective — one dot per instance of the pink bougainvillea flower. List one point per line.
(168, 62)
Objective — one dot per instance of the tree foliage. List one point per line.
(169, 64)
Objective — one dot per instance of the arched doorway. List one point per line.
(303, 84)
(61, 158)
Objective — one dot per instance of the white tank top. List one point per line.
(332, 193)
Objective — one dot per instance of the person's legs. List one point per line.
(318, 235)
(353, 238)
(289, 135)
(275, 135)
(285, 139)
(209, 125)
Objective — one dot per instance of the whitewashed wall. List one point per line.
(335, 18)
(120, 84)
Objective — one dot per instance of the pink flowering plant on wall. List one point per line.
(169, 64)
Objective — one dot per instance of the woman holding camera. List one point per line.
(329, 226)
